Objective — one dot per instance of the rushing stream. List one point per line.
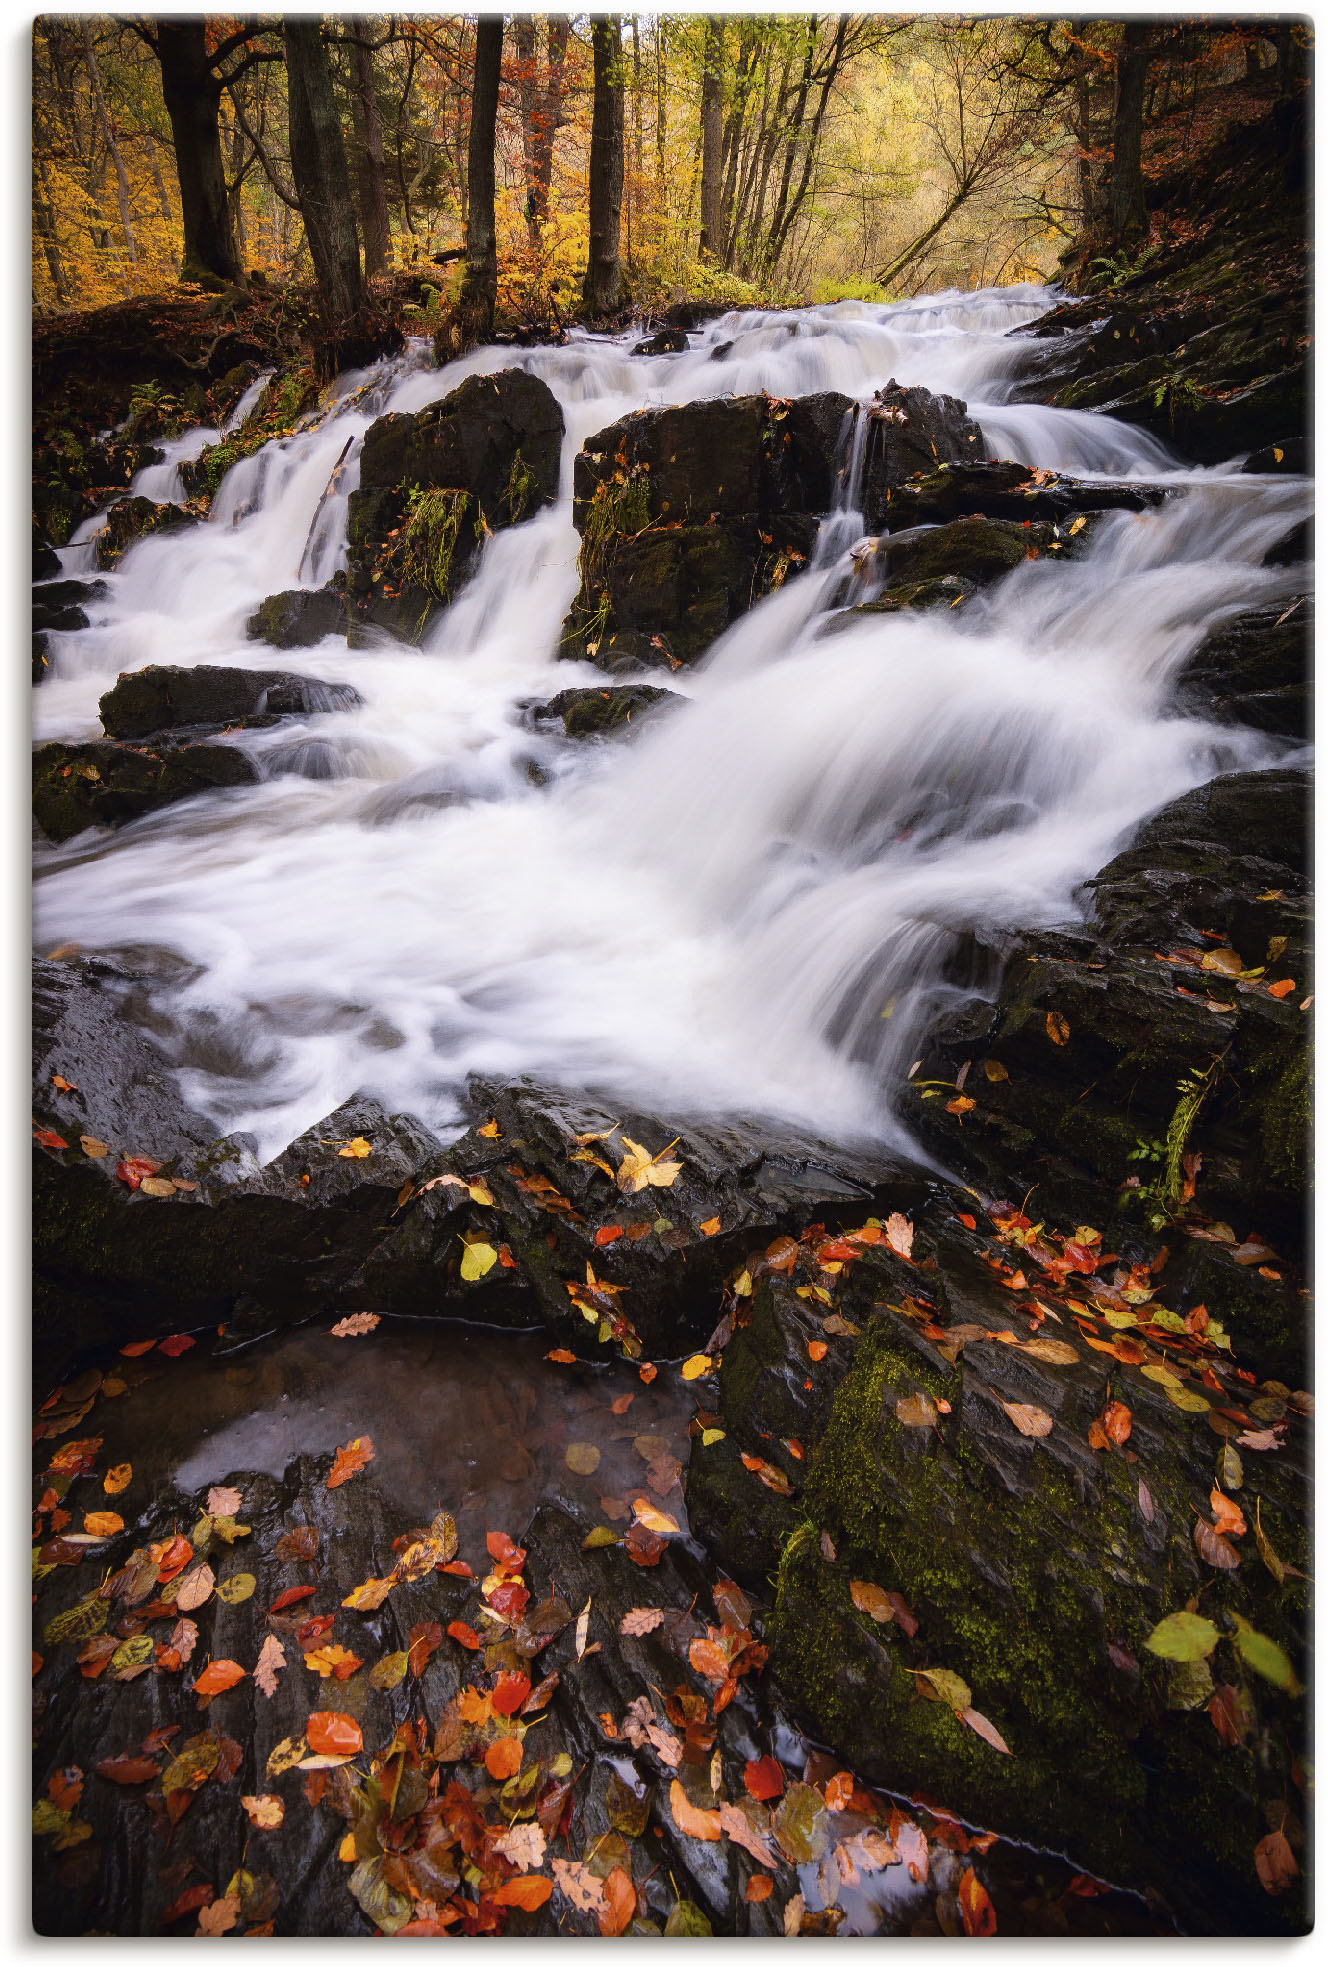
(753, 905)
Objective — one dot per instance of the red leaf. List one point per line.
(464, 1635)
(174, 1346)
(215, 1679)
(764, 1779)
(129, 1769)
(292, 1597)
(132, 1170)
(47, 1137)
(509, 1693)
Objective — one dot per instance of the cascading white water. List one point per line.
(755, 904)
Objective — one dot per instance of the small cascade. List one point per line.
(757, 903)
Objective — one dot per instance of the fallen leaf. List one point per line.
(1272, 1562)
(1214, 1549)
(773, 1478)
(327, 1661)
(1034, 1421)
(103, 1523)
(215, 1679)
(988, 1731)
(764, 1779)
(220, 1916)
(640, 1169)
(899, 1234)
(582, 1457)
(331, 1733)
(640, 1620)
(619, 1906)
(697, 1366)
(271, 1660)
(1275, 1862)
(236, 1588)
(1183, 1636)
(356, 1325)
(870, 1598)
(578, 1884)
(527, 1894)
(195, 1588)
(503, 1758)
(975, 1907)
(355, 1150)
(704, 1824)
(917, 1410)
(477, 1260)
(944, 1685)
(817, 1349)
(349, 1461)
(759, 1887)
(177, 1343)
(264, 1812)
(1117, 1421)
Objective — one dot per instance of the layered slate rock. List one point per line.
(1255, 670)
(1026, 1561)
(1157, 1055)
(388, 1228)
(1002, 489)
(434, 483)
(168, 738)
(689, 515)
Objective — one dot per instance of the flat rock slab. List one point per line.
(596, 713)
(163, 697)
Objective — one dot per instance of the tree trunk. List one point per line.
(480, 287)
(711, 244)
(369, 174)
(1127, 207)
(44, 208)
(603, 283)
(108, 135)
(192, 95)
(321, 174)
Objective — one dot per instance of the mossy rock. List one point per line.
(596, 713)
(136, 518)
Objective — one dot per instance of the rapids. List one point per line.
(757, 903)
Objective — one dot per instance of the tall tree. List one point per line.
(603, 288)
(369, 171)
(479, 291)
(108, 136)
(542, 113)
(1127, 206)
(192, 87)
(320, 171)
(711, 243)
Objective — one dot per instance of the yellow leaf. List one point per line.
(489, 1130)
(654, 1519)
(641, 1169)
(477, 1261)
(697, 1366)
(1058, 1028)
(118, 1478)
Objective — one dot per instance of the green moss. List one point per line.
(288, 397)
(520, 485)
(1284, 1131)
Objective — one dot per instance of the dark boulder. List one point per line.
(1002, 490)
(102, 783)
(596, 713)
(911, 431)
(665, 341)
(433, 483)
(1291, 456)
(1255, 670)
(298, 618)
(144, 702)
(59, 606)
(1025, 1560)
(45, 559)
(975, 550)
(1158, 1057)
(136, 518)
(1295, 546)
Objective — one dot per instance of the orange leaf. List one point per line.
(691, 1821)
(103, 1523)
(609, 1234)
(464, 1635)
(1230, 1521)
(648, 1372)
(118, 1478)
(975, 1907)
(759, 1887)
(1117, 1421)
(817, 1348)
(350, 1460)
(215, 1679)
(764, 1779)
(509, 1693)
(619, 1904)
(331, 1733)
(137, 1348)
(527, 1894)
(503, 1758)
(1283, 989)
(561, 1357)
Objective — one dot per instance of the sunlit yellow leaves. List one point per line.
(355, 1150)
(697, 1366)
(236, 1588)
(332, 1661)
(103, 1523)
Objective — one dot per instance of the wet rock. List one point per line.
(593, 713)
(1033, 1566)
(1003, 490)
(1291, 456)
(1293, 548)
(910, 431)
(1255, 670)
(1130, 1058)
(136, 518)
(102, 783)
(660, 1252)
(298, 618)
(434, 483)
(976, 550)
(59, 606)
(45, 559)
(145, 702)
(666, 341)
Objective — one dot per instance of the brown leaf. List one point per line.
(578, 1884)
(264, 1812)
(1034, 1421)
(271, 1660)
(1058, 1029)
(738, 1825)
(1275, 1862)
(619, 1904)
(298, 1546)
(988, 1731)
(355, 1326)
(916, 1410)
(641, 1620)
(1213, 1549)
(872, 1600)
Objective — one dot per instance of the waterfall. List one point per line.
(757, 902)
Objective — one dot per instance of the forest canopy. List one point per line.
(757, 158)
